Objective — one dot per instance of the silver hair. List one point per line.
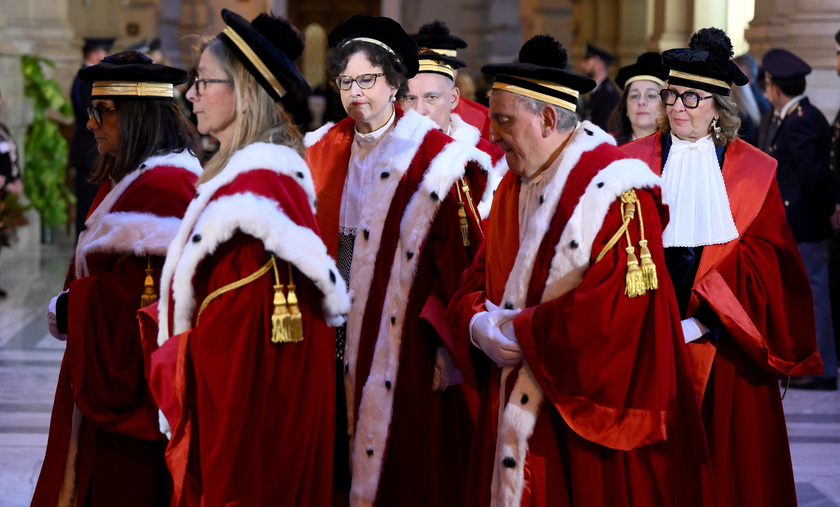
(566, 120)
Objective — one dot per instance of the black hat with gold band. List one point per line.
(539, 74)
(380, 31)
(268, 48)
(706, 64)
(432, 62)
(648, 67)
(132, 75)
(436, 36)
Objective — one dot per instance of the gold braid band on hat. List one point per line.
(445, 52)
(644, 77)
(255, 60)
(699, 79)
(372, 41)
(431, 65)
(545, 91)
(638, 280)
(132, 89)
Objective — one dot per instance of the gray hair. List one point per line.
(566, 120)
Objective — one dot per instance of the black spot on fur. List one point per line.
(542, 199)
(196, 197)
(384, 175)
(508, 306)
(600, 184)
(393, 320)
(573, 244)
(196, 238)
(409, 255)
(508, 462)
(370, 452)
(588, 132)
(388, 384)
(434, 196)
(524, 399)
(367, 233)
(332, 277)
(346, 369)
(299, 174)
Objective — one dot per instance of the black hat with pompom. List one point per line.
(648, 67)
(132, 75)
(436, 36)
(380, 31)
(706, 64)
(268, 47)
(431, 61)
(539, 74)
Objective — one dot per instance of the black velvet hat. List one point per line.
(381, 31)
(706, 64)
(436, 37)
(592, 50)
(782, 64)
(540, 75)
(648, 67)
(432, 61)
(132, 75)
(104, 43)
(268, 47)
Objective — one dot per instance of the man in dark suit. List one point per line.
(83, 152)
(605, 97)
(834, 243)
(796, 134)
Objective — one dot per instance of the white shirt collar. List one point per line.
(787, 107)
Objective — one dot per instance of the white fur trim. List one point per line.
(568, 266)
(100, 234)
(313, 137)
(466, 133)
(279, 159)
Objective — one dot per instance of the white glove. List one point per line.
(52, 324)
(164, 425)
(693, 329)
(446, 373)
(485, 333)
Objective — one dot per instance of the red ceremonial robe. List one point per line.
(758, 288)
(409, 444)
(475, 114)
(251, 420)
(104, 445)
(601, 412)
(466, 133)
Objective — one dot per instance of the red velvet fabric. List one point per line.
(120, 447)
(426, 457)
(620, 424)
(759, 290)
(252, 421)
(475, 114)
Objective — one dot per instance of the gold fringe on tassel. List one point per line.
(280, 316)
(648, 267)
(635, 283)
(295, 322)
(149, 296)
(462, 213)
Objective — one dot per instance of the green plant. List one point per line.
(45, 150)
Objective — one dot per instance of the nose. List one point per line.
(91, 124)
(494, 133)
(192, 96)
(421, 108)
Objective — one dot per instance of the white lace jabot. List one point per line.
(693, 188)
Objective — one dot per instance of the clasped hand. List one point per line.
(492, 331)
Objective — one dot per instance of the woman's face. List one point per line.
(643, 105)
(215, 107)
(108, 133)
(370, 108)
(691, 124)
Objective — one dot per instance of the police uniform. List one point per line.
(605, 97)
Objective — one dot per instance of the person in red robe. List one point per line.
(742, 290)
(104, 445)
(392, 210)
(563, 322)
(244, 373)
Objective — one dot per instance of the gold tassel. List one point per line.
(634, 280)
(295, 324)
(462, 216)
(149, 296)
(280, 317)
(648, 267)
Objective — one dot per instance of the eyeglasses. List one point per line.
(96, 113)
(365, 81)
(201, 84)
(690, 99)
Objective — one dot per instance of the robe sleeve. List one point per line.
(762, 296)
(104, 352)
(605, 360)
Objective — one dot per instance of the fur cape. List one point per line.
(464, 132)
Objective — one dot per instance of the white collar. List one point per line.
(377, 135)
(789, 105)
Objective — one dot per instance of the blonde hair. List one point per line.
(258, 118)
(728, 120)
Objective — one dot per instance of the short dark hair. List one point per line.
(395, 72)
(790, 86)
(146, 128)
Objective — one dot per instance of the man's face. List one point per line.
(432, 95)
(518, 132)
(771, 92)
(589, 66)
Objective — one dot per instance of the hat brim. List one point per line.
(382, 29)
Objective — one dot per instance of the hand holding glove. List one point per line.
(486, 333)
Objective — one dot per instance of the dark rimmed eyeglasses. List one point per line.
(689, 99)
(201, 84)
(365, 81)
(96, 113)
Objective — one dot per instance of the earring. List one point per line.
(716, 128)
(393, 98)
